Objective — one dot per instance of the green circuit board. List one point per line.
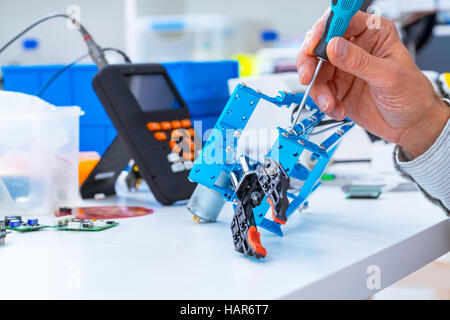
(27, 228)
(108, 226)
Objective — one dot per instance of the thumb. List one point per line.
(352, 59)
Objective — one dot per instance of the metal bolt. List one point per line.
(234, 180)
(256, 197)
(244, 164)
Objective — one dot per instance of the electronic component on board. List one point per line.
(87, 225)
(15, 223)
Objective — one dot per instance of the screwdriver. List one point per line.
(342, 12)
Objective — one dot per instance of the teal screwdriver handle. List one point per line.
(342, 12)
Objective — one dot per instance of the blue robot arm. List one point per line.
(256, 187)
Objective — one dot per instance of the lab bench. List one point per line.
(332, 250)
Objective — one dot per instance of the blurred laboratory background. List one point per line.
(161, 30)
(171, 30)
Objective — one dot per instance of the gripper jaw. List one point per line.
(245, 234)
(268, 180)
(243, 227)
(275, 183)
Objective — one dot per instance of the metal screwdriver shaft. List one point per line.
(305, 97)
(342, 12)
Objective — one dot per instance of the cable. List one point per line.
(125, 57)
(327, 122)
(322, 123)
(57, 74)
(51, 16)
(70, 65)
(95, 51)
(330, 128)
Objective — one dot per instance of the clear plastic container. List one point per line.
(39, 146)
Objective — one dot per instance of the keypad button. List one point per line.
(165, 125)
(177, 135)
(177, 167)
(153, 126)
(173, 157)
(160, 136)
(174, 146)
(176, 124)
(190, 144)
(188, 156)
(186, 123)
(189, 165)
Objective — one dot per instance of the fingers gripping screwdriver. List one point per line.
(342, 12)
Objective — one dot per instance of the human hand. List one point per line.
(372, 79)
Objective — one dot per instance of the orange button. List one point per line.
(191, 132)
(160, 136)
(190, 144)
(153, 126)
(177, 134)
(186, 123)
(176, 124)
(165, 125)
(174, 146)
(188, 156)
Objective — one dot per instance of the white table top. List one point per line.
(325, 253)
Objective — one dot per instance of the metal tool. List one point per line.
(342, 12)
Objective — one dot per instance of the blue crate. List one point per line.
(203, 85)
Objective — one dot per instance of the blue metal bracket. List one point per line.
(219, 155)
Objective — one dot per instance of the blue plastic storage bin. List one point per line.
(203, 85)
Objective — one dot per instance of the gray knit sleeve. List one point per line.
(430, 171)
